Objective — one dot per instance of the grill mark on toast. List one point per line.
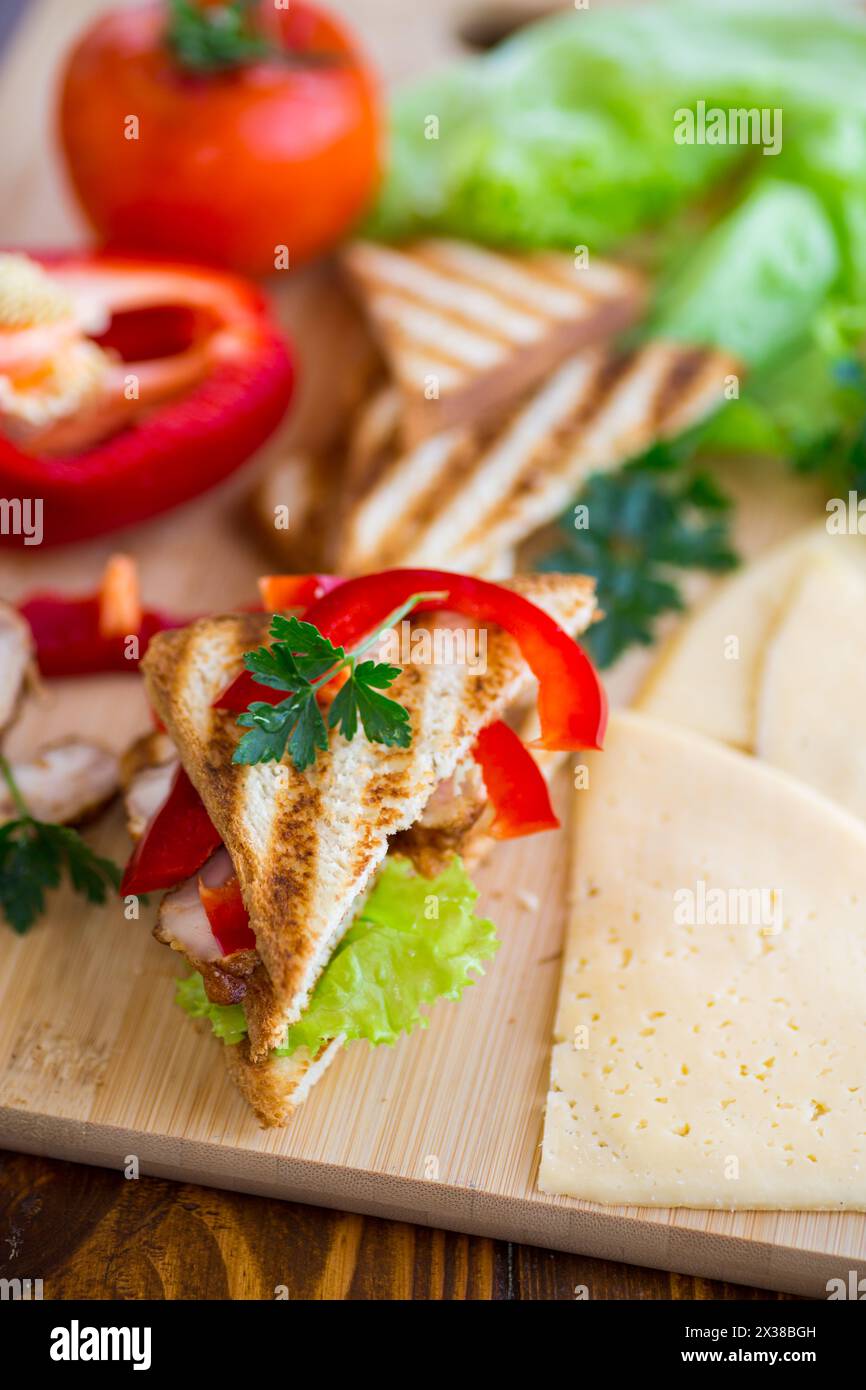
(430, 253)
(461, 462)
(463, 321)
(551, 452)
(683, 369)
(511, 306)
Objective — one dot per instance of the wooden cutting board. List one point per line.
(97, 1064)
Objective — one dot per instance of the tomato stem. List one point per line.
(215, 38)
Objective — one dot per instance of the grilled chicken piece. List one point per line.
(146, 771)
(183, 925)
(16, 657)
(67, 782)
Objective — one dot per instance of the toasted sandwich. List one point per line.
(332, 862)
(464, 330)
(466, 496)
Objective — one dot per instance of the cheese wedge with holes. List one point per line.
(813, 689)
(711, 1029)
(707, 678)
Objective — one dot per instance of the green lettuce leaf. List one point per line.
(756, 282)
(227, 1020)
(415, 940)
(564, 136)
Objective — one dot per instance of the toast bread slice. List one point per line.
(465, 496)
(466, 329)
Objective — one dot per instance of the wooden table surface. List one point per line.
(91, 1233)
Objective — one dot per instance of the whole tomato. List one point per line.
(220, 132)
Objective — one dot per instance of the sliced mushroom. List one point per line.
(65, 783)
(16, 656)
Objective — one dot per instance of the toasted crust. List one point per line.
(306, 845)
(276, 1087)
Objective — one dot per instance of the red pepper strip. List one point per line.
(282, 591)
(236, 379)
(229, 919)
(176, 843)
(515, 786)
(68, 637)
(571, 701)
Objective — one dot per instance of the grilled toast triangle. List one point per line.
(466, 496)
(305, 845)
(465, 329)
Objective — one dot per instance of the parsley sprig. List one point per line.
(34, 855)
(301, 661)
(646, 521)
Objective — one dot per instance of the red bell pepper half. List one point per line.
(572, 705)
(212, 375)
(515, 785)
(176, 843)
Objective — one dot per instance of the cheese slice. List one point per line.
(701, 1062)
(813, 690)
(708, 676)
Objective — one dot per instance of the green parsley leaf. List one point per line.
(384, 720)
(645, 522)
(308, 737)
(300, 661)
(34, 855)
(274, 666)
(296, 723)
(314, 653)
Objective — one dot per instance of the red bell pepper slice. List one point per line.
(70, 640)
(572, 705)
(229, 919)
(176, 843)
(212, 398)
(280, 592)
(85, 636)
(515, 785)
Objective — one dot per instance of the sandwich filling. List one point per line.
(414, 940)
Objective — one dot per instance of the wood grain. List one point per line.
(92, 1234)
